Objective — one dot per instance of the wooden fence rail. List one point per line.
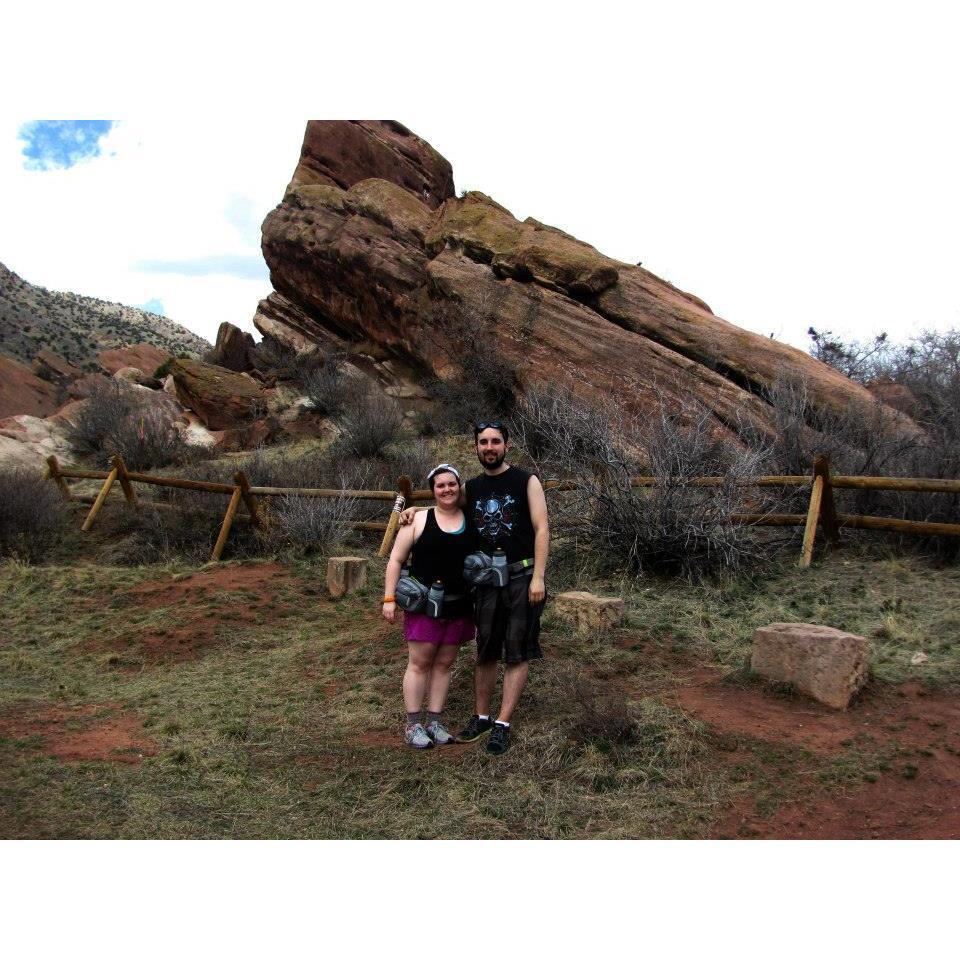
(821, 510)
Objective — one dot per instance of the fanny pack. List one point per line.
(412, 596)
(479, 570)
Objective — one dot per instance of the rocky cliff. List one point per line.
(371, 244)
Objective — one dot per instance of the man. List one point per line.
(508, 508)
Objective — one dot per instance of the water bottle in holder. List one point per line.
(500, 567)
(435, 599)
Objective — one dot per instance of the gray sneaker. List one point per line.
(439, 734)
(416, 736)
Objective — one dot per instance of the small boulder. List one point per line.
(134, 375)
(827, 664)
(346, 575)
(587, 613)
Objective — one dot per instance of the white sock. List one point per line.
(502, 723)
(483, 716)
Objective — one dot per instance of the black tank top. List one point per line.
(500, 511)
(438, 555)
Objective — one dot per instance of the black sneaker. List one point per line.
(499, 741)
(475, 729)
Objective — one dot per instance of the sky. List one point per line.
(793, 168)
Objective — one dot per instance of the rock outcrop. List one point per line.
(221, 398)
(51, 367)
(143, 356)
(371, 244)
(344, 152)
(27, 441)
(23, 392)
(234, 349)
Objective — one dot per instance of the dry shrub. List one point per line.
(486, 383)
(865, 443)
(369, 424)
(327, 386)
(305, 526)
(116, 420)
(598, 714)
(284, 362)
(33, 515)
(670, 527)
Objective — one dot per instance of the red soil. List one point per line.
(918, 797)
(76, 734)
(195, 625)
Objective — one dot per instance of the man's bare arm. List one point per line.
(541, 543)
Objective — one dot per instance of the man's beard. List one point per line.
(487, 465)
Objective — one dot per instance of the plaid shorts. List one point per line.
(508, 627)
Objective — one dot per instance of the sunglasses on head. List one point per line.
(488, 425)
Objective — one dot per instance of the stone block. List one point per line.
(586, 612)
(346, 575)
(827, 664)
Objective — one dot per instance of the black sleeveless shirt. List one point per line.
(500, 511)
(438, 555)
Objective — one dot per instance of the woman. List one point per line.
(440, 538)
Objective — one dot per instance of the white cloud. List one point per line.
(166, 190)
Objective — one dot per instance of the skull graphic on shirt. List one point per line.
(494, 516)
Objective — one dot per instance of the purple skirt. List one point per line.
(419, 628)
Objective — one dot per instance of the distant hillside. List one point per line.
(78, 328)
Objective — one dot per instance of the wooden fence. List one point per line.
(821, 511)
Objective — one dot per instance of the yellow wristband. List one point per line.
(389, 599)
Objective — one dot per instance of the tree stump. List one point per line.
(346, 575)
(587, 613)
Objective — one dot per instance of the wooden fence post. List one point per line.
(240, 479)
(404, 498)
(101, 496)
(828, 512)
(53, 472)
(128, 492)
(227, 523)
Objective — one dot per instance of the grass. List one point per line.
(904, 605)
(287, 723)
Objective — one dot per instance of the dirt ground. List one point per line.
(906, 737)
(74, 734)
(197, 620)
(917, 796)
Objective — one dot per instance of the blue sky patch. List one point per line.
(153, 306)
(60, 144)
(242, 266)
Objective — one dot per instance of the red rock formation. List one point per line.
(51, 367)
(343, 152)
(360, 249)
(234, 349)
(23, 392)
(143, 356)
(221, 398)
